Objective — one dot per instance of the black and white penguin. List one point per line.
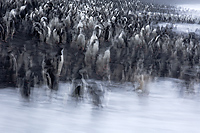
(122, 39)
(56, 36)
(50, 74)
(103, 65)
(52, 68)
(2, 32)
(26, 84)
(107, 33)
(60, 60)
(98, 30)
(38, 31)
(81, 40)
(96, 92)
(143, 81)
(78, 86)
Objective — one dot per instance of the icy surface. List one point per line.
(166, 109)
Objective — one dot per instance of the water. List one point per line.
(191, 8)
(183, 27)
(194, 7)
(172, 2)
(165, 109)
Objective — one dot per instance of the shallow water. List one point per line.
(165, 109)
(191, 7)
(183, 27)
(172, 2)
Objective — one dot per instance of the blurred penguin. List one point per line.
(52, 68)
(96, 92)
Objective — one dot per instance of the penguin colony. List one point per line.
(115, 40)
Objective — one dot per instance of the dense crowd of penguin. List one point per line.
(114, 40)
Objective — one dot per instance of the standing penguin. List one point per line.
(60, 60)
(78, 85)
(96, 92)
(52, 69)
(107, 33)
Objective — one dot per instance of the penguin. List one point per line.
(26, 88)
(81, 40)
(60, 60)
(2, 32)
(93, 38)
(78, 85)
(26, 84)
(107, 33)
(98, 29)
(96, 92)
(50, 74)
(56, 37)
(95, 49)
(106, 57)
(52, 68)
(143, 81)
(122, 39)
